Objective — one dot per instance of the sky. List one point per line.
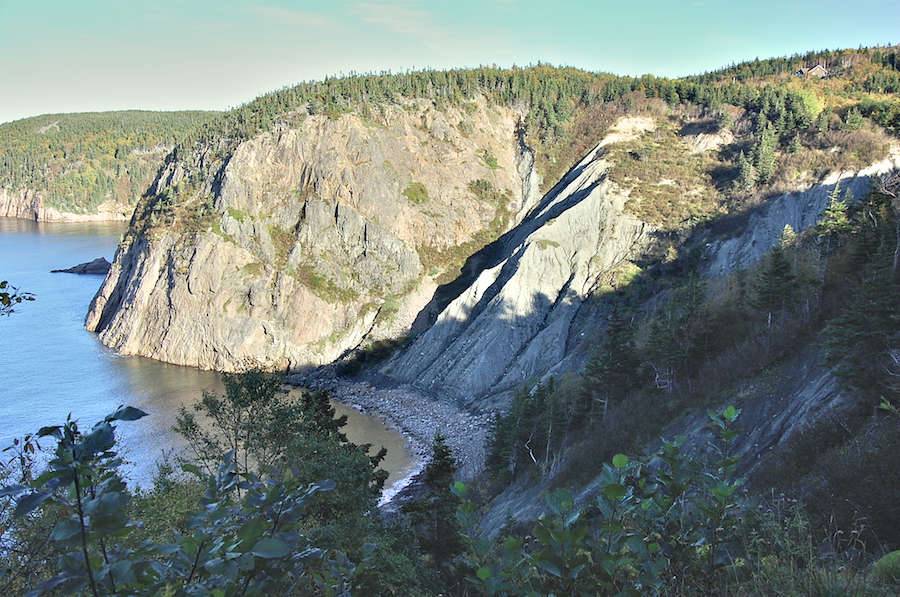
(59, 56)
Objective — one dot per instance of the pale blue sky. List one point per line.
(95, 55)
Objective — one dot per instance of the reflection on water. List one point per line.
(53, 367)
(363, 429)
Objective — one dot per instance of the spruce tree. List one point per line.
(591, 388)
(433, 516)
(764, 155)
(619, 362)
(788, 238)
(775, 286)
(859, 341)
(746, 179)
(853, 120)
(834, 223)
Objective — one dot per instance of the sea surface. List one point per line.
(51, 367)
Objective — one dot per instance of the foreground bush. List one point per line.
(670, 525)
(231, 546)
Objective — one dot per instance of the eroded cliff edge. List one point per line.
(308, 239)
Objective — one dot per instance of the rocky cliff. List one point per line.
(333, 231)
(319, 233)
(800, 210)
(515, 320)
(29, 205)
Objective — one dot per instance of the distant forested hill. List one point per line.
(77, 161)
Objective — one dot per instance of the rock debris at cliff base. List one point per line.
(416, 415)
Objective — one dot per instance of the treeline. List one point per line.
(555, 98)
(82, 159)
(77, 161)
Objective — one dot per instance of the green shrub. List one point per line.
(416, 192)
(887, 569)
(236, 214)
(487, 156)
(649, 530)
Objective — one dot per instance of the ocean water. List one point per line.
(51, 367)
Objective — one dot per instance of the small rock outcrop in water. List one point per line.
(99, 266)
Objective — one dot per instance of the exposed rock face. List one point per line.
(28, 205)
(319, 226)
(799, 210)
(514, 321)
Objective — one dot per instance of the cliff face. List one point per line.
(515, 320)
(333, 232)
(799, 210)
(320, 233)
(29, 205)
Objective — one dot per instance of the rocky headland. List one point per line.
(321, 232)
(28, 204)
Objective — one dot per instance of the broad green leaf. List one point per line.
(126, 413)
(483, 573)
(619, 461)
(52, 583)
(12, 490)
(246, 562)
(100, 439)
(513, 544)
(65, 530)
(55, 431)
(29, 502)
(55, 478)
(542, 534)
(251, 530)
(482, 547)
(550, 567)
(731, 414)
(614, 490)
(270, 548)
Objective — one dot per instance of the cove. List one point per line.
(52, 366)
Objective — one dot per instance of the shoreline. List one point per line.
(416, 416)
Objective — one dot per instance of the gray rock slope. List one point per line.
(513, 322)
(799, 210)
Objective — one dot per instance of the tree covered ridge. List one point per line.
(77, 161)
(567, 110)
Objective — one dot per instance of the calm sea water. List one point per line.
(51, 366)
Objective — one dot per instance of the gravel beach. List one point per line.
(414, 414)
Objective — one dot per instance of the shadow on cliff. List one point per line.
(503, 248)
